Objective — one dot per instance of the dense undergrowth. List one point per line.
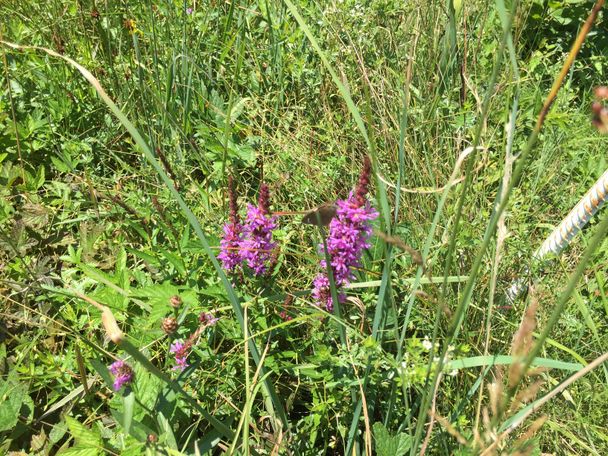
(425, 354)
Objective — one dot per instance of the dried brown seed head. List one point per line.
(169, 325)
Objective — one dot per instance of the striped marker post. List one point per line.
(574, 222)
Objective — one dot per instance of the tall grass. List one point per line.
(222, 89)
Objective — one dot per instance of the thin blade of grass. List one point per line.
(505, 360)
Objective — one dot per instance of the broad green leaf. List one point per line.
(128, 403)
(83, 435)
(388, 445)
(12, 396)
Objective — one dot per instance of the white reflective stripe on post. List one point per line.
(578, 217)
(561, 236)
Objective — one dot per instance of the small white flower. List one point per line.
(426, 344)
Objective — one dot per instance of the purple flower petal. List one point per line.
(180, 350)
(256, 245)
(122, 372)
(230, 254)
(349, 233)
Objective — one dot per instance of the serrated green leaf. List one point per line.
(175, 261)
(148, 258)
(11, 399)
(82, 434)
(135, 449)
(80, 451)
(388, 445)
(58, 432)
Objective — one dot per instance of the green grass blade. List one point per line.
(501, 360)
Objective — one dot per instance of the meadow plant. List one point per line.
(230, 254)
(180, 351)
(208, 318)
(249, 242)
(257, 246)
(349, 234)
(371, 384)
(123, 374)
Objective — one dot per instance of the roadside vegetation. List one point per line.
(288, 227)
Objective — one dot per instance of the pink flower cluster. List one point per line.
(181, 350)
(122, 372)
(230, 255)
(349, 233)
(257, 245)
(249, 243)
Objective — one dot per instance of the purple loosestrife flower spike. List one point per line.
(230, 255)
(264, 199)
(321, 292)
(122, 372)
(257, 245)
(349, 233)
(180, 350)
(363, 184)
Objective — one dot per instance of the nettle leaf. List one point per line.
(134, 449)
(388, 445)
(84, 436)
(80, 451)
(58, 432)
(160, 294)
(12, 395)
(174, 260)
(148, 388)
(35, 215)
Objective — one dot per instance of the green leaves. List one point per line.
(390, 445)
(13, 395)
(87, 441)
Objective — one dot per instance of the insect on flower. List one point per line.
(321, 215)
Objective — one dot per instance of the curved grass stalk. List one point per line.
(502, 229)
